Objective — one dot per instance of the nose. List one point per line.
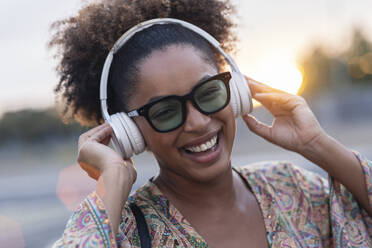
(195, 121)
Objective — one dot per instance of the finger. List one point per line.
(90, 132)
(106, 140)
(96, 129)
(258, 87)
(258, 127)
(102, 134)
(275, 102)
(129, 162)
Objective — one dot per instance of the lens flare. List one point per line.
(279, 74)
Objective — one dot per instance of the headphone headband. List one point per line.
(139, 27)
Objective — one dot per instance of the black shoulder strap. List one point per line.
(143, 231)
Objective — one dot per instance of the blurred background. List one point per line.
(320, 49)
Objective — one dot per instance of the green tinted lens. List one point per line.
(211, 96)
(166, 115)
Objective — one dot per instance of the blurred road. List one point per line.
(40, 186)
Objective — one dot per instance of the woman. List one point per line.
(198, 199)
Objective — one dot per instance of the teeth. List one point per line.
(203, 147)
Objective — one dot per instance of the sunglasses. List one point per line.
(169, 113)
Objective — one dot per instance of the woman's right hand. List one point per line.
(95, 156)
(114, 174)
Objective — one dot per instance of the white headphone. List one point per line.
(127, 139)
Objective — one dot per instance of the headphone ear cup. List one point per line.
(122, 136)
(135, 137)
(234, 99)
(242, 93)
(114, 139)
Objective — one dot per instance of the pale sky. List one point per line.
(270, 31)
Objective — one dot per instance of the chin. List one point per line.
(211, 164)
(214, 172)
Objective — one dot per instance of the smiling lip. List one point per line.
(207, 157)
(202, 139)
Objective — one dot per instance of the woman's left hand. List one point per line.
(294, 127)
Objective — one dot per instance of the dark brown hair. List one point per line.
(83, 41)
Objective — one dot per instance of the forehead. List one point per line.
(170, 71)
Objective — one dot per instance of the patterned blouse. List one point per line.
(300, 209)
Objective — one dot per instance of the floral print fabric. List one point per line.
(300, 209)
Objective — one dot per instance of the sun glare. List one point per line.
(283, 76)
(279, 74)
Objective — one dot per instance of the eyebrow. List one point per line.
(154, 98)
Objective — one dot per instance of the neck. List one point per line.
(219, 191)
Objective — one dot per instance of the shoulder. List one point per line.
(285, 176)
(155, 209)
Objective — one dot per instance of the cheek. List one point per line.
(155, 142)
(227, 114)
(228, 118)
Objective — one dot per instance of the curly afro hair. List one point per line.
(83, 41)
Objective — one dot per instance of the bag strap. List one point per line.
(142, 228)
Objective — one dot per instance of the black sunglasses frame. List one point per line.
(144, 110)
